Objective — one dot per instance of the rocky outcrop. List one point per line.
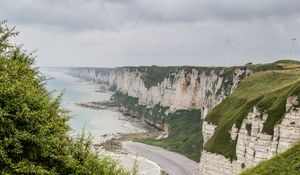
(212, 164)
(180, 90)
(207, 131)
(254, 145)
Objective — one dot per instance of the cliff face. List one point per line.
(244, 129)
(165, 98)
(257, 121)
(180, 90)
(254, 145)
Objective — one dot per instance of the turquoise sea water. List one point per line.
(98, 122)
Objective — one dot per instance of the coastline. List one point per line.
(113, 144)
(151, 160)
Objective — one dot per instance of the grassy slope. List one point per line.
(185, 126)
(155, 114)
(185, 137)
(266, 89)
(286, 163)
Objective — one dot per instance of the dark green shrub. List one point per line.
(33, 131)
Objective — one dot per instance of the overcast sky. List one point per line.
(110, 33)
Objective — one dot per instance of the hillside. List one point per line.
(258, 120)
(286, 163)
(173, 99)
(183, 126)
(267, 90)
(246, 114)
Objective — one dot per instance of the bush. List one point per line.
(33, 131)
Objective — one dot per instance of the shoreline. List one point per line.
(125, 147)
(90, 91)
(98, 105)
(113, 144)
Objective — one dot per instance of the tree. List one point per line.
(33, 131)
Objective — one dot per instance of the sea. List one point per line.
(100, 123)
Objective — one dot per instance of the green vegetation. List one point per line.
(113, 88)
(120, 99)
(268, 90)
(278, 65)
(286, 163)
(154, 75)
(184, 125)
(33, 131)
(185, 134)
(156, 114)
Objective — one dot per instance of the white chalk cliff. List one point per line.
(197, 89)
(183, 90)
(253, 145)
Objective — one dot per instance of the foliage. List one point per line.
(286, 163)
(184, 125)
(154, 75)
(185, 134)
(85, 160)
(33, 131)
(156, 114)
(278, 65)
(268, 90)
(113, 88)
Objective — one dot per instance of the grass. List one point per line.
(154, 75)
(286, 163)
(185, 134)
(184, 125)
(120, 99)
(278, 65)
(156, 114)
(268, 90)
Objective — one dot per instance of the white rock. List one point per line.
(193, 90)
(255, 146)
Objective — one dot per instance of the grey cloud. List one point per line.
(111, 33)
(67, 14)
(115, 14)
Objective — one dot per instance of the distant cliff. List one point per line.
(250, 113)
(170, 98)
(174, 87)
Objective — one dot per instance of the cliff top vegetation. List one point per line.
(268, 89)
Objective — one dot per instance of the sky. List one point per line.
(113, 33)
